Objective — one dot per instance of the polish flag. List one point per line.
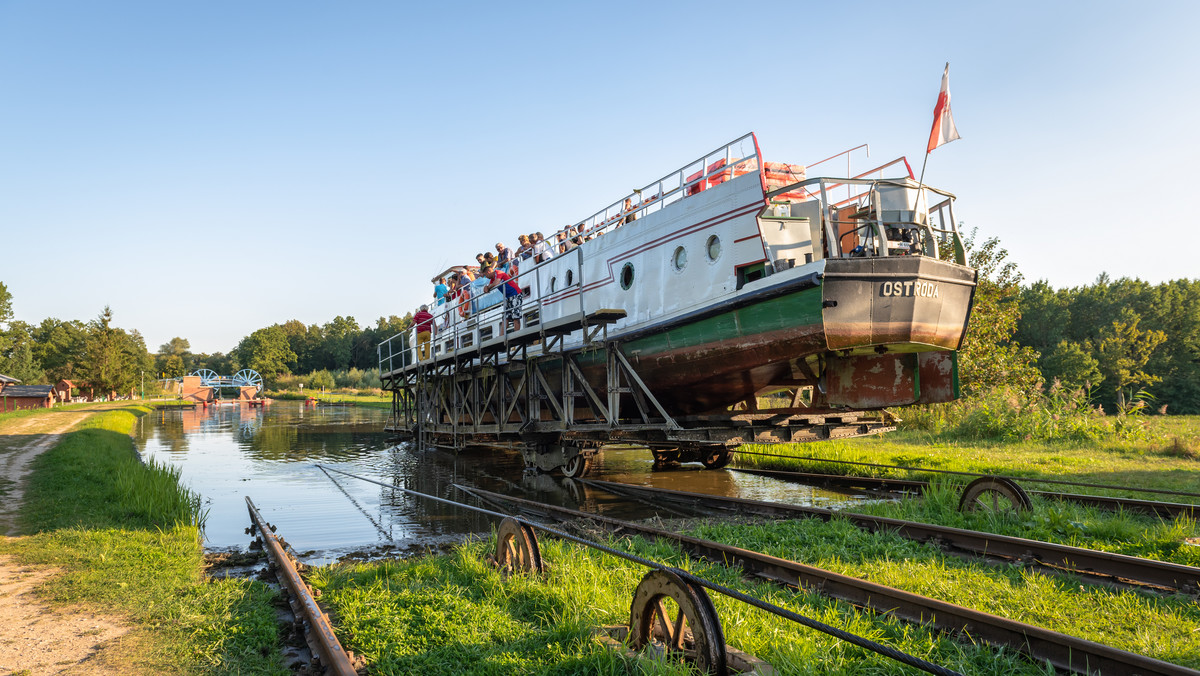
(943, 124)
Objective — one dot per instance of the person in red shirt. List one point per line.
(512, 296)
(424, 323)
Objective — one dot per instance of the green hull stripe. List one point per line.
(793, 311)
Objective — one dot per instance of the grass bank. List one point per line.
(126, 538)
(453, 614)
(1152, 463)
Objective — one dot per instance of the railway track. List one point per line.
(893, 486)
(694, 631)
(1087, 562)
(331, 658)
(1060, 650)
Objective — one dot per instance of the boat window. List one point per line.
(713, 247)
(627, 276)
(570, 277)
(553, 283)
(680, 258)
(485, 333)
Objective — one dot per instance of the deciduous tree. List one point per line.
(1123, 352)
(989, 356)
(266, 351)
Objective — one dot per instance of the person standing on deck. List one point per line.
(503, 256)
(440, 290)
(512, 297)
(424, 323)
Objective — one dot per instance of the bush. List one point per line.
(1059, 413)
(321, 379)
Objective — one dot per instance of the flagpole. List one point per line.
(937, 116)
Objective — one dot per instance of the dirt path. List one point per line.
(34, 639)
(21, 441)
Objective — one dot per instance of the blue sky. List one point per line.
(207, 169)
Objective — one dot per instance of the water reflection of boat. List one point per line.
(732, 300)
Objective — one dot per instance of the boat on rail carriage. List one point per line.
(732, 301)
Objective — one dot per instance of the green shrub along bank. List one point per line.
(350, 380)
(1056, 413)
(126, 537)
(93, 478)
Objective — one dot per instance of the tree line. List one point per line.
(100, 358)
(1123, 343)
(1125, 340)
(95, 355)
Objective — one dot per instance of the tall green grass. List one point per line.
(1052, 414)
(1122, 462)
(94, 477)
(453, 614)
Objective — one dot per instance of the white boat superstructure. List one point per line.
(717, 229)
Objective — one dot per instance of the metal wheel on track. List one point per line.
(578, 466)
(208, 377)
(674, 617)
(248, 378)
(517, 548)
(994, 494)
(716, 458)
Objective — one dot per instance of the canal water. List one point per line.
(270, 454)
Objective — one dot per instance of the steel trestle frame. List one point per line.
(487, 399)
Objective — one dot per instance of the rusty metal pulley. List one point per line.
(672, 616)
(994, 494)
(517, 548)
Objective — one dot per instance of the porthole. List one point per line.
(570, 277)
(553, 283)
(713, 248)
(627, 276)
(679, 259)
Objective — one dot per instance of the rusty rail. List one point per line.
(888, 485)
(1077, 559)
(317, 628)
(1061, 650)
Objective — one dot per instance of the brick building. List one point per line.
(15, 397)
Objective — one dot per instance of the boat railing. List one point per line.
(933, 222)
(461, 326)
(464, 324)
(731, 160)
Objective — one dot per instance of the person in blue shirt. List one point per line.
(440, 290)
